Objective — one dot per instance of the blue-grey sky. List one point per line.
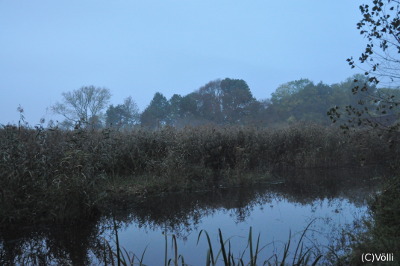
(136, 48)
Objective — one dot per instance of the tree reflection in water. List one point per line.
(82, 243)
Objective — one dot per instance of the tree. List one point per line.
(224, 101)
(83, 106)
(175, 106)
(188, 106)
(258, 113)
(285, 100)
(380, 25)
(236, 99)
(287, 89)
(184, 111)
(208, 101)
(156, 113)
(302, 100)
(124, 115)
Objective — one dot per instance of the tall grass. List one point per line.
(223, 253)
(48, 174)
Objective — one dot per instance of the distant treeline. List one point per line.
(230, 102)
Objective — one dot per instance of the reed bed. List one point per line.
(51, 174)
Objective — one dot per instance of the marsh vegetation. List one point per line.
(76, 175)
(53, 178)
(52, 174)
(143, 226)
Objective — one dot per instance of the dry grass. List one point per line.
(53, 174)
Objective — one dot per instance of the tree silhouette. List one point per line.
(83, 106)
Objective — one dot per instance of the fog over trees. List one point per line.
(230, 102)
(367, 99)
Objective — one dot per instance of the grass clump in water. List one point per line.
(223, 254)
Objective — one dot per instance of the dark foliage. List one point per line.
(52, 174)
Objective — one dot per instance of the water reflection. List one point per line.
(57, 244)
(275, 208)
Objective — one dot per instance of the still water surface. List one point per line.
(329, 201)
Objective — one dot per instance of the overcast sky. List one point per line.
(136, 48)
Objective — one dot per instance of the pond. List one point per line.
(323, 202)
